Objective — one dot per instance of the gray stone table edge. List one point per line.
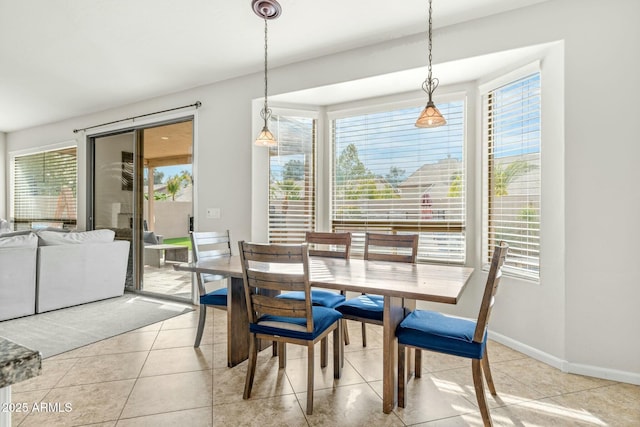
(17, 363)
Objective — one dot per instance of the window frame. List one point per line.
(34, 151)
(484, 90)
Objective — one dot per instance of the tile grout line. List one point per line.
(138, 376)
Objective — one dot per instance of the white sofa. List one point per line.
(68, 269)
(18, 275)
(75, 268)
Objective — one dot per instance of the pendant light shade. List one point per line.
(266, 138)
(431, 116)
(266, 9)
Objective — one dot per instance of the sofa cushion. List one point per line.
(51, 238)
(28, 240)
(56, 229)
(15, 233)
(4, 226)
(149, 238)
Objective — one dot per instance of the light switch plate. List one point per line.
(213, 213)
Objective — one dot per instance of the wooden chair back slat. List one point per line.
(212, 237)
(209, 245)
(323, 244)
(288, 257)
(278, 306)
(490, 289)
(277, 282)
(270, 269)
(214, 253)
(391, 247)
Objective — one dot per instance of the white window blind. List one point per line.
(512, 174)
(292, 179)
(44, 189)
(389, 176)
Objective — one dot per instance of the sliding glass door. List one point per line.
(141, 187)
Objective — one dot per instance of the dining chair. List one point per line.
(330, 245)
(431, 330)
(268, 269)
(209, 245)
(368, 308)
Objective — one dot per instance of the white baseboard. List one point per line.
(566, 366)
(605, 373)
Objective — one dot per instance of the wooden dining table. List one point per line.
(401, 285)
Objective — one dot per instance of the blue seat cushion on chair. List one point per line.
(217, 297)
(435, 331)
(365, 306)
(296, 327)
(318, 297)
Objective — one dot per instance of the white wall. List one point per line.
(172, 218)
(583, 314)
(3, 176)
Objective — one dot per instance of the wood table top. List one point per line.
(426, 282)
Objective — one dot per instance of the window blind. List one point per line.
(44, 189)
(512, 174)
(389, 176)
(292, 179)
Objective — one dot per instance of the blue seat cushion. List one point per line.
(318, 297)
(366, 306)
(217, 297)
(296, 327)
(435, 331)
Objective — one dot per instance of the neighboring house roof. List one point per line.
(434, 178)
(431, 174)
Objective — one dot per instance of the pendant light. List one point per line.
(431, 116)
(266, 9)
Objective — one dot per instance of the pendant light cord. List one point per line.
(430, 39)
(266, 111)
(430, 84)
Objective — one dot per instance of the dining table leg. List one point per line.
(392, 316)
(237, 324)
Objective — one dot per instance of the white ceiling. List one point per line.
(66, 58)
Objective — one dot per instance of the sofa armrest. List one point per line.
(17, 282)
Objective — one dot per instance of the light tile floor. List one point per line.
(154, 377)
(164, 280)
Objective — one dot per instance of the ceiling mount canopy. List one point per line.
(266, 9)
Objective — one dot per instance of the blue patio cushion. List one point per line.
(217, 297)
(366, 306)
(435, 331)
(296, 327)
(318, 297)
